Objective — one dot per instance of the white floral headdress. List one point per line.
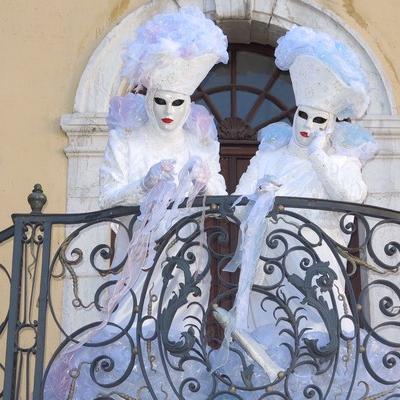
(174, 51)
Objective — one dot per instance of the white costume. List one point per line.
(130, 154)
(301, 159)
(316, 158)
(163, 127)
(170, 55)
(162, 130)
(165, 130)
(161, 148)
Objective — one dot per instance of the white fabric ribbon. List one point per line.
(253, 230)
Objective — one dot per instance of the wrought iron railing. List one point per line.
(328, 340)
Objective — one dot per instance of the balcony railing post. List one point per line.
(11, 352)
(43, 302)
(25, 229)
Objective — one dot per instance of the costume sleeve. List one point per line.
(115, 188)
(216, 184)
(340, 175)
(248, 181)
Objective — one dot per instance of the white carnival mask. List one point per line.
(308, 122)
(168, 110)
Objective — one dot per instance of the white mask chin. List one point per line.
(308, 122)
(167, 110)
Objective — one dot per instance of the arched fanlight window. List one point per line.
(247, 94)
(244, 96)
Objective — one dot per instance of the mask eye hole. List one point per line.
(303, 114)
(178, 102)
(319, 120)
(160, 101)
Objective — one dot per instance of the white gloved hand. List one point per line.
(162, 170)
(268, 183)
(200, 173)
(319, 142)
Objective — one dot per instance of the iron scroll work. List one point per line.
(160, 352)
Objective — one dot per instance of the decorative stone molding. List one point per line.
(87, 139)
(233, 9)
(236, 129)
(386, 129)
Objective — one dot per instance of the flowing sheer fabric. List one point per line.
(157, 212)
(253, 229)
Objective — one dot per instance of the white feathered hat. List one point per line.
(174, 51)
(325, 73)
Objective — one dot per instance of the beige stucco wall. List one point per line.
(45, 46)
(377, 22)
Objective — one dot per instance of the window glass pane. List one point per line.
(222, 101)
(266, 111)
(219, 75)
(244, 103)
(283, 90)
(253, 69)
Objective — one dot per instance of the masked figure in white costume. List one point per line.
(154, 137)
(317, 157)
(161, 148)
(300, 160)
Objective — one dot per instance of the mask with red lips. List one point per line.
(168, 110)
(308, 121)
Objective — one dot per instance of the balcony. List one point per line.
(324, 315)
